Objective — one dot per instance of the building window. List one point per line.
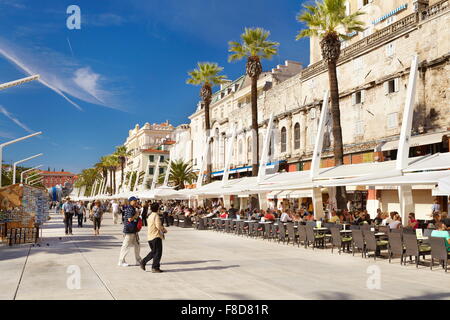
(240, 147)
(358, 97)
(161, 159)
(359, 128)
(391, 86)
(161, 170)
(297, 136)
(390, 49)
(152, 158)
(151, 170)
(283, 139)
(392, 120)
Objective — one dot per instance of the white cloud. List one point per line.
(88, 80)
(61, 74)
(14, 119)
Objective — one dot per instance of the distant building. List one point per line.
(53, 178)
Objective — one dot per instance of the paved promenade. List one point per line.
(203, 265)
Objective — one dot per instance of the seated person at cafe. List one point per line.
(436, 219)
(269, 216)
(445, 220)
(397, 223)
(347, 216)
(412, 222)
(297, 217)
(286, 216)
(210, 214)
(334, 217)
(223, 214)
(441, 232)
(232, 212)
(378, 219)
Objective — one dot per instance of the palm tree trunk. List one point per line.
(338, 148)
(255, 137)
(114, 178)
(208, 129)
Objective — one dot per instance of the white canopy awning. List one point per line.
(419, 140)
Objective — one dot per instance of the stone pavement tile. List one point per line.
(12, 260)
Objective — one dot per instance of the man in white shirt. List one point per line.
(285, 217)
(115, 211)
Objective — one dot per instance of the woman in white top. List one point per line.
(397, 223)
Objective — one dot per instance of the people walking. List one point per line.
(115, 212)
(156, 233)
(68, 211)
(80, 210)
(97, 214)
(144, 213)
(131, 237)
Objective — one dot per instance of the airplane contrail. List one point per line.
(45, 83)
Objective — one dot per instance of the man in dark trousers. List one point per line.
(68, 211)
(155, 236)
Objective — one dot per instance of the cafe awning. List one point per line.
(419, 140)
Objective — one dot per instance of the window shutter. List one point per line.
(347, 8)
(396, 84)
(353, 99)
(363, 95)
(386, 87)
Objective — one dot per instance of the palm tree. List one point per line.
(180, 173)
(328, 21)
(87, 178)
(254, 47)
(102, 167)
(206, 75)
(111, 162)
(122, 154)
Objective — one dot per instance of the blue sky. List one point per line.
(128, 64)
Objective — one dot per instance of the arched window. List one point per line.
(283, 139)
(240, 146)
(297, 136)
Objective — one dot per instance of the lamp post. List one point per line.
(32, 176)
(14, 83)
(23, 172)
(34, 180)
(20, 161)
(7, 144)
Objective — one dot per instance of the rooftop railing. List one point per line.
(384, 35)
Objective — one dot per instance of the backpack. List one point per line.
(133, 226)
(139, 225)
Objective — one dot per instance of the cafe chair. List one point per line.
(358, 242)
(439, 252)
(372, 244)
(396, 246)
(413, 249)
(314, 239)
(302, 235)
(291, 234)
(338, 241)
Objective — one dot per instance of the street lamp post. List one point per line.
(36, 181)
(32, 176)
(20, 161)
(7, 144)
(14, 83)
(23, 172)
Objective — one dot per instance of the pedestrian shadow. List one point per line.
(202, 269)
(190, 262)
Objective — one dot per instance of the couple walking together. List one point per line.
(156, 233)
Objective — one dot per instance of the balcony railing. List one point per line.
(381, 36)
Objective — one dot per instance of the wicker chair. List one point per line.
(412, 248)
(439, 252)
(396, 246)
(372, 244)
(358, 242)
(313, 238)
(338, 241)
(291, 234)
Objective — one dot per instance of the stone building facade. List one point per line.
(373, 73)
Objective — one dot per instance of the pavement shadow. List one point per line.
(202, 269)
(191, 262)
(430, 296)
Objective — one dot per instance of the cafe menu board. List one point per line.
(23, 204)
